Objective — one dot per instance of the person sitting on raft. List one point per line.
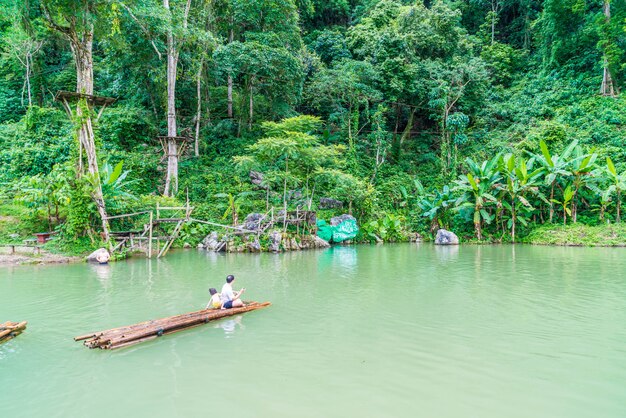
(216, 300)
(230, 299)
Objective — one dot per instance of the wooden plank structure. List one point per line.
(156, 230)
(10, 330)
(182, 142)
(114, 338)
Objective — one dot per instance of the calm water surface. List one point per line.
(397, 330)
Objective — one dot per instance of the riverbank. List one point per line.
(613, 235)
(43, 258)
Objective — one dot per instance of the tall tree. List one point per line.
(75, 21)
(173, 52)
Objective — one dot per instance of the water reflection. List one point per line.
(229, 325)
(446, 253)
(102, 272)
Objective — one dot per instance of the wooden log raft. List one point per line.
(144, 331)
(10, 330)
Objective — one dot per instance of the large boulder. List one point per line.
(446, 238)
(341, 218)
(101, 255)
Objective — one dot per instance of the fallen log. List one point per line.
(115, 338)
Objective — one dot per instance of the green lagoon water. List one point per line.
(389, 331)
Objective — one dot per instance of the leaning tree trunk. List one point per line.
(82, 50)
(171, 179)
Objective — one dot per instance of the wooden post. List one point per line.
(150, 237)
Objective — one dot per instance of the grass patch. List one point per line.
(613, 235)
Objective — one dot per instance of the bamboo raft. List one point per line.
(114, 338)
(10, 330)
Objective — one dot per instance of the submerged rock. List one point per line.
(445, 237)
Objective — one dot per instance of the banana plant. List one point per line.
(233, 204)
(565, 204)
(476, 187)
(114, 185)
(555, 166)
(435, 206)
(618, 185)
(581, 167)
(520, 180)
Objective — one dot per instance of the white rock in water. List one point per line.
(101, 255)
(446, 238)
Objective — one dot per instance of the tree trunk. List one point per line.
(230, 83)
(251, 111)
(171, 180)
(82, 51)
(551, 201)
(513, 220)
(28, 71)
(198, 108)
(619, 204)
(608, 87)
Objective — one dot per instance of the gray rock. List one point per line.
(415, 237)
(275, 239)
(446, 238)
(256, 178)
(101, 255)
(253, 221)
(212, 242)
(320, 243)
(253, 245)
(339, 219)
(328, 203)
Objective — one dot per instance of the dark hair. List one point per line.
(230, 278)
(212, 291)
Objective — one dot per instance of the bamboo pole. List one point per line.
(150, 238)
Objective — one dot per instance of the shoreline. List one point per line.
(582, 236)
(45, 258)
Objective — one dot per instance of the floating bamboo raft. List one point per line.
(133, 334)
(10, 330)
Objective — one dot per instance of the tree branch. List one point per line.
(143, 28)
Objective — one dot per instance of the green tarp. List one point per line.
(346, 230)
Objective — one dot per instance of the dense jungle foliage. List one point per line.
(489, 117)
